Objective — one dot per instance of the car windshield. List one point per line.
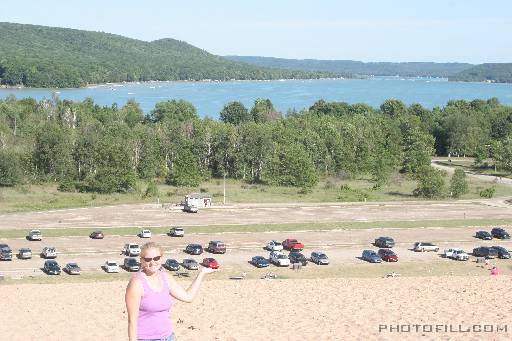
(111, 263)
(134, 246)
(73, 265)
(281, 256)
(499, 248)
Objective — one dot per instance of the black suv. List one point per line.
(194, 249)
(500, 233)
(297, 257)
(502, 252)
(484, 251)
(386, 242)
(5, 252)
(483, 235)
(51, 267)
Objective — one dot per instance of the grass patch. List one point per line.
(130, 231)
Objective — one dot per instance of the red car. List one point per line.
(292, 245)
(388, 255)
(210, 263)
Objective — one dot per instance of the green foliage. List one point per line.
(488, 192)
(235, 113)
(290, 165)
(263, 111)
(430, 183)
(418, 149)
(10, 169)
(185, 170)
(74, 58)
(173, 111)
(152, 190)
(393, 108)
(492, 72)
(458, 184)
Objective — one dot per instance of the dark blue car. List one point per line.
(502, 252)
(259, 262)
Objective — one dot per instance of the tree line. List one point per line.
(40, 56)
(86, 147)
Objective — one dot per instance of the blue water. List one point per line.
(210, 97)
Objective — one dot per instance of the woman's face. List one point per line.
(148, 262)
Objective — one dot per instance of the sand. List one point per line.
(277, 309)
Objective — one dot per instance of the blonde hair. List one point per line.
(150, 245)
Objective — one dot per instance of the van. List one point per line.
(216, 246)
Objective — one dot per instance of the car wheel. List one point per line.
(422, 250)
(437, 250)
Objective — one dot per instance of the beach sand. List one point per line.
(272, 309)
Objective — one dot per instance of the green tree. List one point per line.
(418, 149)
(458, 183)
(185, 171)
(431, 183)
(11, 172)
(235, 113)
(393, 108)
(263, 111)
(290, 165)
(173, 111)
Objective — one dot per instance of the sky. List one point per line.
(472, 31)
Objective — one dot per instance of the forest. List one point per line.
(489, 72)
(40, 56)
(84, 147)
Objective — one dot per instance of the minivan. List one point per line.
(216, 246)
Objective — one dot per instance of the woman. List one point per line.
(150, 295)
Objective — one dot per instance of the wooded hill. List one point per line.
(40, 56)
(410, 69)
(492, 72)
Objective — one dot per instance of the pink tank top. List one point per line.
(153, 321)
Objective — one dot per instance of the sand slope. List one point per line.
(257, 309)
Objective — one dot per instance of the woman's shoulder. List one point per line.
(135, 282)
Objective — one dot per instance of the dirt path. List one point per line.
(482, 177)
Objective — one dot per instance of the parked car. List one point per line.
(131, 249)
(292, 244)
(216, 246)
(384, 242)
(297, 257)
(131, 264)
(111, 266)
(274, 245)
(371, 256)
(279, 258)
(500, 233)
(172, 264)
(210, 263)
(425, 246)
(194, 249)
(49, 252)
(484, 251)
(502, 252)
(72, 269)
(319, 258)
(5, 252)
(190, 208)
(483, 235)
(24, 253)
(145, 233)
(51, 267)
(35, 235)
(387, 255)
(190, 264)
(455, 253)
(176, 232)
(259, 261)
(97, 235)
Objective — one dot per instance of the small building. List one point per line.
(198, 199)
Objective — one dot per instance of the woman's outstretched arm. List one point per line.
(188, 295)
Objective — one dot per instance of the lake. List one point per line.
(210, 97)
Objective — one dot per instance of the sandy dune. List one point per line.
(262, 309)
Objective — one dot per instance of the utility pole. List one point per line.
(224, 187)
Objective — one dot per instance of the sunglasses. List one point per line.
(156, 259)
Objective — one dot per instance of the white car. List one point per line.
(274, 245)
(111, 266)
(145, 233)
(279, 258)
(177, 232)
(457, 254)
(35, 235)
(190, 208)
(131, 249)
(49, 252)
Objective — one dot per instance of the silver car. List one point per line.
(24, 253)
(72, 269)
(190, 264)
(319, 258)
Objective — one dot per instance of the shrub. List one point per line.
(488, 192)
